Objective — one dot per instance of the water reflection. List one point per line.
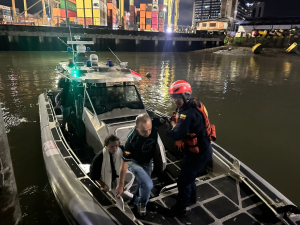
(245, 96)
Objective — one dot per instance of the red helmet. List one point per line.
(181, 88)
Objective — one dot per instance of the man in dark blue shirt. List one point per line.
(138, 154)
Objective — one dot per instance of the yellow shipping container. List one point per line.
(90, 10)
(79, 4)
(96, 15)
(80, 12)
(97, 21)
(87, 7)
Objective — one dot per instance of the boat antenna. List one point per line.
(72, 43)
(114, 54)
(63, 41)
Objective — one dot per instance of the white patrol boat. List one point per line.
(229, 193)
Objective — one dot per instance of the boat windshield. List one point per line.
(105, 99)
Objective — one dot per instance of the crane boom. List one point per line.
(176, 15)
(169, 3)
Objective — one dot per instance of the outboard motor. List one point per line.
(94, 59)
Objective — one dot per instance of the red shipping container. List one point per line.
(161, 29)
(154, 20)
(69, 13)
(131, 18)
(154, 14)
(161, 7)
(132, 8)
(161, 20)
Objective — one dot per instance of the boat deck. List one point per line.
(220, 200)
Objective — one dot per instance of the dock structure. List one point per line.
(39, 38)
(10, 211)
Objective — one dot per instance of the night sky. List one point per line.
(272, 8)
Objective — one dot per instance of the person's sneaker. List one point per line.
(141, 209)
(178, 211)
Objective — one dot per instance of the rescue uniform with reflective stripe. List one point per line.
(190, 120)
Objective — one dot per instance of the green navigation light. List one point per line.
(74, 73)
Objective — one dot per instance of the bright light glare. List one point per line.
(165, 9)
(169, 29)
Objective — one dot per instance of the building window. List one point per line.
(212, 24)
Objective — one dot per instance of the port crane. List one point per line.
(170, 4)
(50, 3)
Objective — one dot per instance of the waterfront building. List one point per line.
(250, 8)
(232, 9)
(214, 9)
(213, 24)
(257, 9)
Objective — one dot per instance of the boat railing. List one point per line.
(234, 171)
(86, 94)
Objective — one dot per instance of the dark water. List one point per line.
(253, 101)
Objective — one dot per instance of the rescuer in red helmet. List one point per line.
(191, 130)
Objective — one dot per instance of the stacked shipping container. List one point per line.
(56, 15)
(94, 12)
(71, 9)
(161, 18)
(148, 16)
(155, 20)
(132, 17)
(5, 13)
(142, 16)
(155, 15)
(138, 16)
(112, 14)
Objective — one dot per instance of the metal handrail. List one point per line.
(94, 111)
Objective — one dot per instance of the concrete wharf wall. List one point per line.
(32, 38)
(271, 42)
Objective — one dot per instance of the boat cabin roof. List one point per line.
(101, 73)
(107, 77)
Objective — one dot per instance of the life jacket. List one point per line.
(190, 141)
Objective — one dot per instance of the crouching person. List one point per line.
(106, 165)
